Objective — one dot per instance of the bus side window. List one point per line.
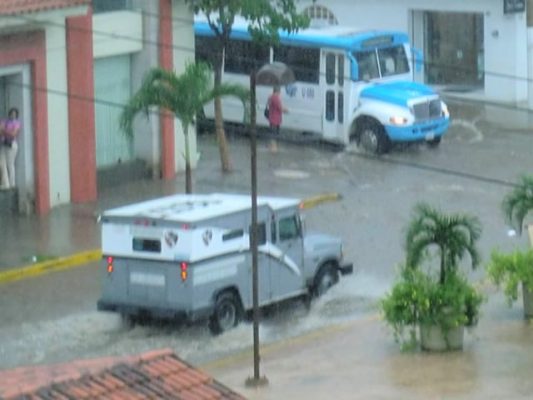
(304, 62)
(241, 56)
(330, 68)
(205, 49)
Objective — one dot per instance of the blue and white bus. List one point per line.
(351, 85)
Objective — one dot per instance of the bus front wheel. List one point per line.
(373, 138)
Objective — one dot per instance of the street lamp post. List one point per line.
(273, 74)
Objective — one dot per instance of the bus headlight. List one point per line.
(396, 120)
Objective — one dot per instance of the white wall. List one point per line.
(147, 139)
(58, 139)
(117, 32)
(183, 38)
(505, 52)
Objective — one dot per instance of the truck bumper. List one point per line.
(152, 312)
(346, 269)
(428, 130)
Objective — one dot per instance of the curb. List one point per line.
(319, 199)
(15, 274)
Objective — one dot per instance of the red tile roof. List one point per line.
(154, 375)
(11, 7)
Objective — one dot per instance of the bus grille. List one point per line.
(427, 110)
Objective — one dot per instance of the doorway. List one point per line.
(15, 91)
(454, 49)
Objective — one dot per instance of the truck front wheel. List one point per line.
(373, 138)
(227, 313)
(326, 277)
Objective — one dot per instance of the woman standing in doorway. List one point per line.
(9, 130)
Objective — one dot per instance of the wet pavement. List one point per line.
(359, 360)
(353, 356)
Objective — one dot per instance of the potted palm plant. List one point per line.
(436, 306)
(511, 270)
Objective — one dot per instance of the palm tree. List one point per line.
(453, 235)
(518, 203)
(183, 95)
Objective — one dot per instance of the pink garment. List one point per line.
(275, 109)
(11, 125)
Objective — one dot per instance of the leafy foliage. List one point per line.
(421, 298)
(184, 96)
(509, 270)
(453, 235)
(266, 17)
(519, 202)
(418, 299)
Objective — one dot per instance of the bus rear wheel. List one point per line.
(227, 313)
(373, 138)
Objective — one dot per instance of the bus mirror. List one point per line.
(418, 59)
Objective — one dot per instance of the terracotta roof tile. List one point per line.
(12, 7)
(154, 375)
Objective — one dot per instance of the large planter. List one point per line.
(528, 302)
(433, 338)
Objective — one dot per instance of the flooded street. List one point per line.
(88, 333)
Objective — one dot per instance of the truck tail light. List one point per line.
(184, 266)
(110, 267)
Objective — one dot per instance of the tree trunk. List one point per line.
(188, 173)
(219, 120)
(442, 266)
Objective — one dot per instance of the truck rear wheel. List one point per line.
(227, 313)
(326, 277)
(373, 138)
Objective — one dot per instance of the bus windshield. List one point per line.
(379, 63)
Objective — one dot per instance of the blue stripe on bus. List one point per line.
(398, 93)
(351, 41)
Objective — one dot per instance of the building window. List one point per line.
(320, 16)
(100, 6)
(304, 62)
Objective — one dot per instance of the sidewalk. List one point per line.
(359, 360)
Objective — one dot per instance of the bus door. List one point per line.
(334, 74)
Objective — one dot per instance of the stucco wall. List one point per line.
(58, 140)
(183, 37)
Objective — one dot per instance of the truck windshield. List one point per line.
(379, 63)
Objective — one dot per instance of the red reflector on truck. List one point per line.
(184, 272)
(110, 267)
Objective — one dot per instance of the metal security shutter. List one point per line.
(112, 89)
